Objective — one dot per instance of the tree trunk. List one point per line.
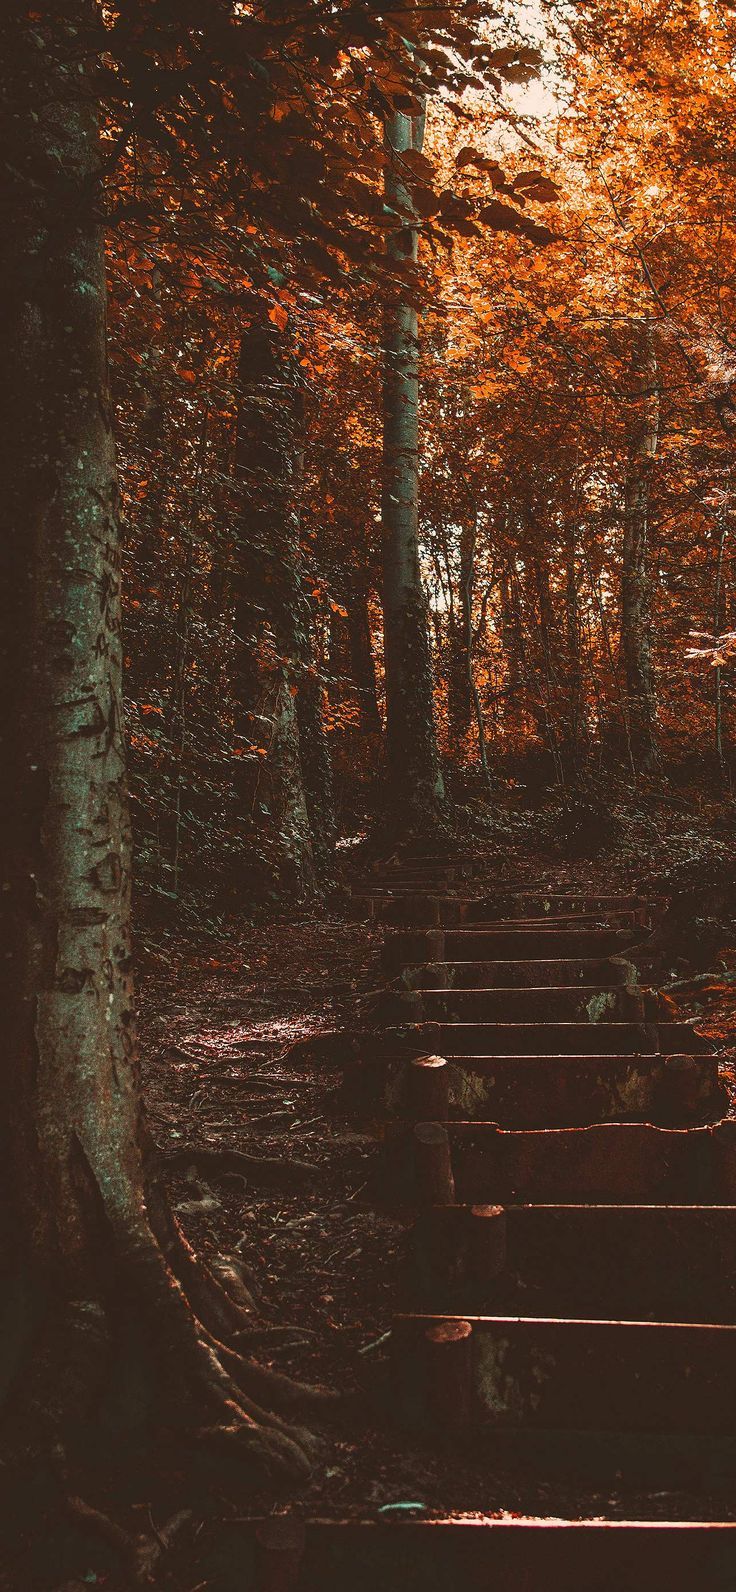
(547, 674)
(362, 665)
(574, 731)
(316, 768)
(464, 701)
(414, 778)
(513, 685)
(89, 1273)
(718, 672)
(636, 596)
(460, 672)
(271, 617)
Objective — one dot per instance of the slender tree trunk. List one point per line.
(316, 765)
(414, 777)
(547, 674)
(636, 595)
(85, 1273)
(271, 617)
(362, 662)
(464, 698)
(460, 672)
(574, 736)
(178, 697)
(513, 689)
(717, 595)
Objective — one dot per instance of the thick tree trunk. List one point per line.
(414, 777)
(636, 595)
(71, 1106)
(85, 1272)
(271, 617)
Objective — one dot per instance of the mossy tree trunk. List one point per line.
(415, 789)
(89, 1267)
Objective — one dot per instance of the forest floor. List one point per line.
(235, 1023)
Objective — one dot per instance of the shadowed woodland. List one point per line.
(369, 634)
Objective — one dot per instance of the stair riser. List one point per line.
(623, 1005)
(627, 1164)
(552, 1092)
(494, 904)
(410, 949)
(483, 1556)
(425, 911)
(570, 1375)
(591, 1262)
(550, 1039)
(551, 974)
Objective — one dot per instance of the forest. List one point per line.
(368, 1100)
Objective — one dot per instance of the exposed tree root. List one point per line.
(221, 1317)
(140, 1555)
(259, 1171)
(204, 1412)
(214, 1305)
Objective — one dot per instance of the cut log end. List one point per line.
(448, 1356)
(429, 1089)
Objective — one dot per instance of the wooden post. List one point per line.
(486, 1244)
(280, 1550)
(428, 1089)
(434, 1258)
(448, 1362)
(434, 1181)
(435, 942)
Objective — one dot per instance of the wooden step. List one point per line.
(622, 1003)
(616, 1163)
(561, 1039)
(411, 948)
(552, 904)
(581, 1298)
(636, 1262)
(477, 1554)
(554, 973)
(445, 911)
(604, 1376)
(573, 1091)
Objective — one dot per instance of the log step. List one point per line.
(604, 1376)
(554, 973)
(616, 1163)
(636, 1262)
(424, 910)
(479, 1554)
(618, 1003)
(557, 1039)
(573, 1091)
(411, 948)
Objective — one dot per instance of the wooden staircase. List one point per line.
(570, 1294)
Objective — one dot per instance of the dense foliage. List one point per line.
(576, 292)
